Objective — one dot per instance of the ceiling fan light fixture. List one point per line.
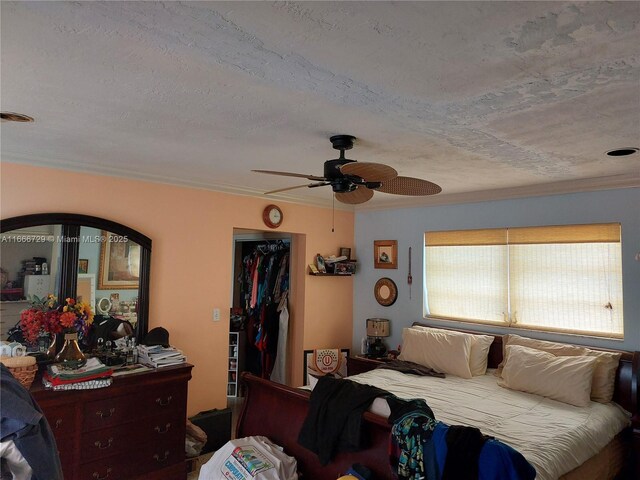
(622, 152)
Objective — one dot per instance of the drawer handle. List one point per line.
(98, 444)
(163, 459)
(161, 430)
(58, 423)
(101, 414)
(162, 403)
(97, 476)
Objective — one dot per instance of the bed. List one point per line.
(278, 411)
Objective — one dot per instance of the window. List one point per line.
(559, 278)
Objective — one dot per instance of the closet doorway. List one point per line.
(259, 331)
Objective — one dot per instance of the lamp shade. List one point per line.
(378, 327)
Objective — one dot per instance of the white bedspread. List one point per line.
(553, 436)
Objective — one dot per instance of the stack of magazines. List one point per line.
(158, 356)
(94, 374)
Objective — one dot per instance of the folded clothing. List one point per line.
(88, 385)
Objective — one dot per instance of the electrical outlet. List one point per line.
(216, 314)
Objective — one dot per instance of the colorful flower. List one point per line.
(45, 315)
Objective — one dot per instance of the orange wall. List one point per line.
(191, 266)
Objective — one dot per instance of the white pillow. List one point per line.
(604, 375)
(442, 352)
(564, 378)
(480, 345)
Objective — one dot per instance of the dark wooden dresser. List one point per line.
(133, 429)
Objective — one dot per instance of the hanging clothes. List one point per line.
(264, 281)
(279, 373)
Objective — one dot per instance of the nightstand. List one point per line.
(361, 364)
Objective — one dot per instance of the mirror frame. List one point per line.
(393, 292)
(71, 224)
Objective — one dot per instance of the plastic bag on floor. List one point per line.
(250, 458)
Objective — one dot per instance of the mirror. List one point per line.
(30, 266)
(386, 292)
(103, 262)
(112, 262)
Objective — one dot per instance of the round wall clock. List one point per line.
(272, 216)
(386, 292)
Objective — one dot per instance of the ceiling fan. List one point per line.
(354, 182)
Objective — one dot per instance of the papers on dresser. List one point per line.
(159, 356)
(92, 368)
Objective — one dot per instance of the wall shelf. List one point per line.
(330, 274)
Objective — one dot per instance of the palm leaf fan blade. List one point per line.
(369, 172)
(409, 186)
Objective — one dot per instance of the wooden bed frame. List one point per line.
(278, 412)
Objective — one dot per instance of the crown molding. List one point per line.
(537, 190)
(108, 171)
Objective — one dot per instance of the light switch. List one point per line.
(216, 314)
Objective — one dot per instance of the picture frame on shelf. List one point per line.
(385, 254)
(344, 268)
(345, 252)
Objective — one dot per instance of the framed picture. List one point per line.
(320, 264)
(385, 254)
(119, 263)
(325, 361)
(345, 252)
(86, 291)
(83, 265)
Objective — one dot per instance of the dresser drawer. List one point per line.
(146, 458)
(127, 437)
(161, 455)
(162, 428)
(116, 467)
(109, 412)
(161, 400)
(105, 442)
(62, 420)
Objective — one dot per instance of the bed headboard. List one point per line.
(627, 376)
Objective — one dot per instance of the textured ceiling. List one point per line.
(486, 99)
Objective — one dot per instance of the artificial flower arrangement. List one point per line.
(46, 315)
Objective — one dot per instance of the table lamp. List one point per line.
(377, 329)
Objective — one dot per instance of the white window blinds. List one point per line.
(559, 278)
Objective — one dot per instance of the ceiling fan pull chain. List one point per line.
(333, 213)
